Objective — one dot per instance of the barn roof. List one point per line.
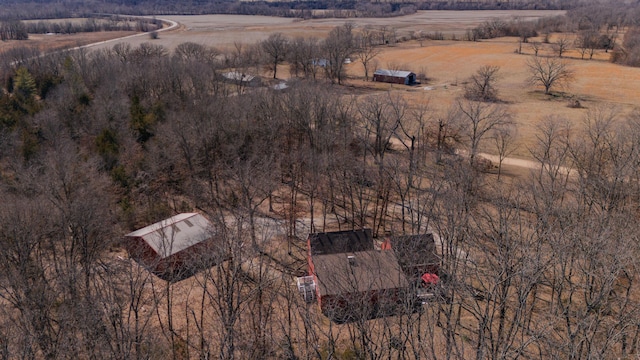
(340, 242)
(172, 235)
(355, 272)
(238, 76)
(393, 73)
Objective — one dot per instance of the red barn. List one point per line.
(176, 247)
(395, 77)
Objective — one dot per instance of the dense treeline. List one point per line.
(599, 26)
(72, 8)
(92, 25)
(594, 17)
(13, 30)
(93, 145)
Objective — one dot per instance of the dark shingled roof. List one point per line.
(358, 272)
(415, 251)
(340, 242)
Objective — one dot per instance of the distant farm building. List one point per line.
(394, 76)
(239, 78)
(320, 62)
(176, 247)
(350, 277)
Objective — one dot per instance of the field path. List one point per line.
(527, 164)
(172, 25)
(522, 163)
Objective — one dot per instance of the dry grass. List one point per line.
(224, 30)
(449, 63)
(54, 42)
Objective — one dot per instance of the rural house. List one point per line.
(394, 76)
(176, 247)
(351, 278)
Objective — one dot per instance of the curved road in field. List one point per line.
(172, 25)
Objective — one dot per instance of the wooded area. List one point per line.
(96, 144)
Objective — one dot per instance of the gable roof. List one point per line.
(356, 272)
(393, 73)
(340, 242)
(172, 235)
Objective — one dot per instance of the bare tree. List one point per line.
(367, 50)
(447, 132)
(482, 84)
(381, 118)
(338, 46)
(508, 269)
(504, 139)
(549, 72)
(275, 47)
(303, 57)
(535, 46)
(562, 45)
(587, 42)
(477, 121)
(190, 51)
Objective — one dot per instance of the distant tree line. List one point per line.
(598, 27)
(93, 25)
(74, 8)
(13, 30)
(499, 28)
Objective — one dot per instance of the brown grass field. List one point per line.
(45, 43)
(449, 63)
(224, 30)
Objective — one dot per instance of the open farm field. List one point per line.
(224, 30)
(53, 42)
(448, 65)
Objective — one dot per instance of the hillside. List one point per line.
(536, 261)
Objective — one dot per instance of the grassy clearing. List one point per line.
(449, 63)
